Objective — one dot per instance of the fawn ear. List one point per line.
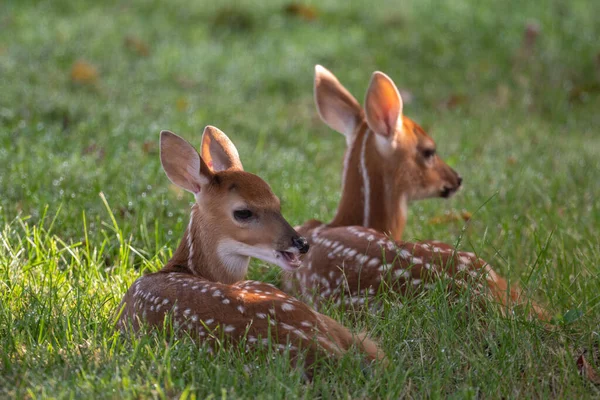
(336, 106)
(182, 163)
(218, 152)
(383, 105)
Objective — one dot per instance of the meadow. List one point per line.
(509, 90)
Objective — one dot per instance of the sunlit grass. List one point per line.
(519, 123)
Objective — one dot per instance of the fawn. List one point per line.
(389, 161)
(235, 216)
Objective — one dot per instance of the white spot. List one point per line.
(194, 318)
(373, 262)
(464, 260)
(226, 301)
(241, 309)
(187, 312)
(416, 260)
(416, 282)
(404, 253)
(229, 328)
(209, 321)
(308, 324)
(261, 315)
(366, 183)
(287, 307)
(190, 242)
(165, 302)
(402, 273)
(216, 293)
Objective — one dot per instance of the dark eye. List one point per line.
(428, 153)
(242, 215)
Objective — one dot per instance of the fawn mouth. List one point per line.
(447, 192)
(291, 260)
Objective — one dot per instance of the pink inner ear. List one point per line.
(210, 164)
(197, 188)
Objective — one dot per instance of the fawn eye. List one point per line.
(242, 215)
(428, 153)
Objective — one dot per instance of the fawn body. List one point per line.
(236, 216)
(389, 162)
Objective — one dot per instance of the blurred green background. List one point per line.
(509, 90)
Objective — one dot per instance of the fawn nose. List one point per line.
(459, 181)
(301, 244)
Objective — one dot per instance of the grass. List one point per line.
(519, 124)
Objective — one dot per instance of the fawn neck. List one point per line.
(370, 198)
(198, 253)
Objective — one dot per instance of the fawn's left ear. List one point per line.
(383, 105)
(218, 152)
(182, 163)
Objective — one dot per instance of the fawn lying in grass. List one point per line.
(390, 161)
(201, 289)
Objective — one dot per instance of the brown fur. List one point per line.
(351, 258)
(201, 291)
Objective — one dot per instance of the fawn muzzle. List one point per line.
(453, 183)
(301, 244)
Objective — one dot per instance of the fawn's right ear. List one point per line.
(182, 163)
(218, 152)
(383, 105)
(336, 106)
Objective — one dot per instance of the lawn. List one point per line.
(509, 90)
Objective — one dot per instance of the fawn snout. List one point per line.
(301, 244)
(452, 184)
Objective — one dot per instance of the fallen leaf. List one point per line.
(579, 93)
(83, 72)
(532, 31)
(137, 46)
(511, 160)
(587, 371)
(149, 147)
(453, 101)
(181, 104)
(94, 149)
(234, 19)
(466, 215)
(450, 217)
(302, 11)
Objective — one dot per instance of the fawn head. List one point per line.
(236, 213)
(405, 155)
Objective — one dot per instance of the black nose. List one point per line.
(301, 244)
(459, 180)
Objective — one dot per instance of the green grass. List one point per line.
(522, 130)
